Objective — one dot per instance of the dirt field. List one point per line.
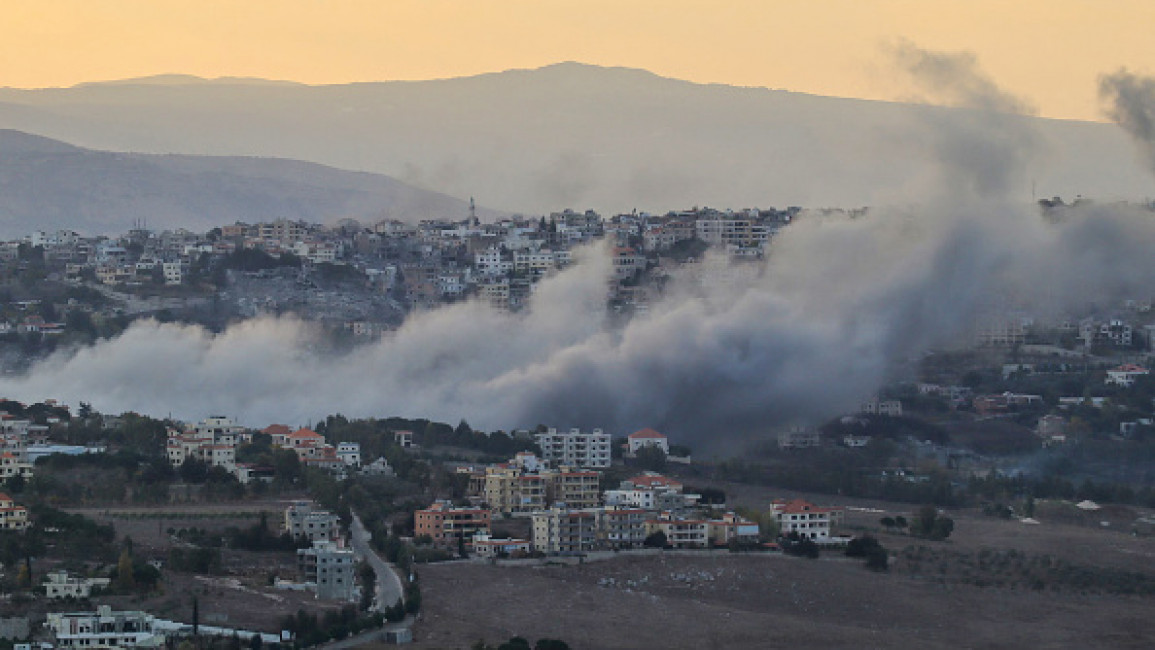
(724, 600)
(731, 601)
(242, 596)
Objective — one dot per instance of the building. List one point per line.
(806, 519)
(799, 438)
(575, 448)
(304, 521)
(622, 527)
(488, 547)
(403, 438)
(647, 438)
(12, 516)
(892, 408)
(732, 528)
(59, 584)
(448, 526)
(526, 485)
(680, 532)
(561, 530)
(331, 567)
(103, 629)
(349, 453)
(1126, 374)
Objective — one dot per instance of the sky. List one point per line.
(1050, 53)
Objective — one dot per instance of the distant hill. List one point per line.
(46, 184)
(567, 135)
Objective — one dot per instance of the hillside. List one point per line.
(575, 135)
(46, 184)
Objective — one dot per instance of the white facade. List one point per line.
(349, 453)
(103, 629)
(575, 448)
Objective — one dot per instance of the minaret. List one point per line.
(473, 213)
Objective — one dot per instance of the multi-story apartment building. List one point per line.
(679, 532)
(563, 530)
(806, 519)
(449, 526)
(528, 485)
(331, 567)
(623, 527)
(304, 520)
(575, 448)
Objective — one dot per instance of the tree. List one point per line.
(877, 559)
(650, 457)
(887, 522)
(656, 539)
(124, 575)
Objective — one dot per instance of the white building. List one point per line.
(1126, 374)
(892, 408)
(103, 629)
(59, 584)
(806, 519)
(647, 438)
(349, 453)
(574, 448)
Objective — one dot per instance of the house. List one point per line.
(732, 528)
(403, 438)
(349, 453)
(799, 438)
(12, 516)
(58, 584)
(449, 526)
(1126, 374)
(279, 433)
(647, 438)
(892, 408)
(488, 547)
(802, 517)
(379, 467)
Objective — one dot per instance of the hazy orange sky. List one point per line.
(1049, 52)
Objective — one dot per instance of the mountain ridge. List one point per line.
(574, 135)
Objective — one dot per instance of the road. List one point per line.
(389, 588)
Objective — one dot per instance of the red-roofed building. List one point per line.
(1126, 374)
(279, 433)
(12, 516)
(647, 438)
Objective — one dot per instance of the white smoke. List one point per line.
(815, 328)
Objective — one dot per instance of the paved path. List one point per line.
(389, 588)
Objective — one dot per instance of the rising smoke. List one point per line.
(728, 352)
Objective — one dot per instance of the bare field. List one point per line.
(723, 600)
(757, 601)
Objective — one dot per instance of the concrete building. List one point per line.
(12, 516)
(304, 521)
(331, 567)
(448, 526)
(59, 584)
(488, 547)
(647, 438)
(103, 629)
(561, 530)
(802, 517)
(575, 448)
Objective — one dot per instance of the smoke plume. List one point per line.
(728, 351)
(1131, 105)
